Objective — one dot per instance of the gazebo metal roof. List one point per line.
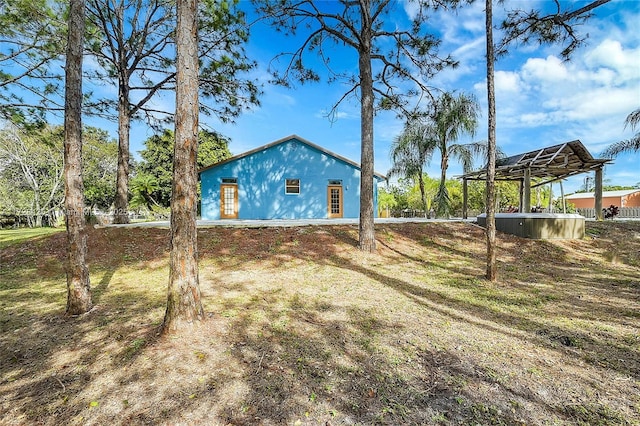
(549, 164)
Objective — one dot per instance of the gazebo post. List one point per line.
(465, 199)
(598, 194)
(526, 202)
(521, 201)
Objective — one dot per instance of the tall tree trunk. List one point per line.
(184, 305)
(37, 211)
(367, 237)
(121, 203)
(423, 196)
(491, 149)
(78, 286)
(442, 208)
(444, 166)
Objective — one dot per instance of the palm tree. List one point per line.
(629, 145)
(453, 116)
(143, 186)
(411, 151)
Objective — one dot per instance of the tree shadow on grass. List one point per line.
(601, 351)
(98, 291)
(47, 359)
(278, 356)
(303, 366)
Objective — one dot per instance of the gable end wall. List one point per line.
(261, 177)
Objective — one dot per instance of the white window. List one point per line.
(292, 186)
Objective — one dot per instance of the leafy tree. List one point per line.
(99, 163)
(386, 201)
(617, 187)
(134, 43)
(401, 194)
(387, 57)
(453, 116)
(143, 186)
(184, 305)
(629, 145)
(476, 195)
(407, 195)
(31, 181)
(31, 168)
(507, 194)
(558, 27)
(32, 36)
(157, 161)
(411, 151)
(78, 284)
(568, 206)
(454, 190)
(414, 194)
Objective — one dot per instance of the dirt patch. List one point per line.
(303, 328)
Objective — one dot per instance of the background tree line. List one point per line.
(405, 196)
(31, 171)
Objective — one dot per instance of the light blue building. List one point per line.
(291, 178)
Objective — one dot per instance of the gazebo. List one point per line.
(549, 164)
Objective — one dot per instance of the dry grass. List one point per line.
(304, 329)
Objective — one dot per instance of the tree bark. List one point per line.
(78, 285)
(583, 10)
(37, 209)
(367, 237)
(491, 148)
(423, 195)
(465, 198)
(184, 305)
(121, 203)
(598, 195)
(443, 202)
(443, 168)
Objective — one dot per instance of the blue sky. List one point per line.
(541, 100)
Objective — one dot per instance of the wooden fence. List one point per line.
(623, 212)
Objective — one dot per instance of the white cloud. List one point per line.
(586, 98)
(550, 69)
(339, 115)
(594, 103)
(469, 49)
(507, 81)
(610, 54)
(535, 119)
(411, 8)
(280, 98)
(458, 28)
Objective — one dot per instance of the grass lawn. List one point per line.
(12, 236)
(303, 329)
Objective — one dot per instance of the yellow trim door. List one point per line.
(228, 201)
(334, 201)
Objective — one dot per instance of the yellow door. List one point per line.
(334, 198)
(228, 201)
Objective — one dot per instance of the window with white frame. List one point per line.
(292, 186)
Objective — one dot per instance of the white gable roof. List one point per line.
(620, 193)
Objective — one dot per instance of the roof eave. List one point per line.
(285, 139)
